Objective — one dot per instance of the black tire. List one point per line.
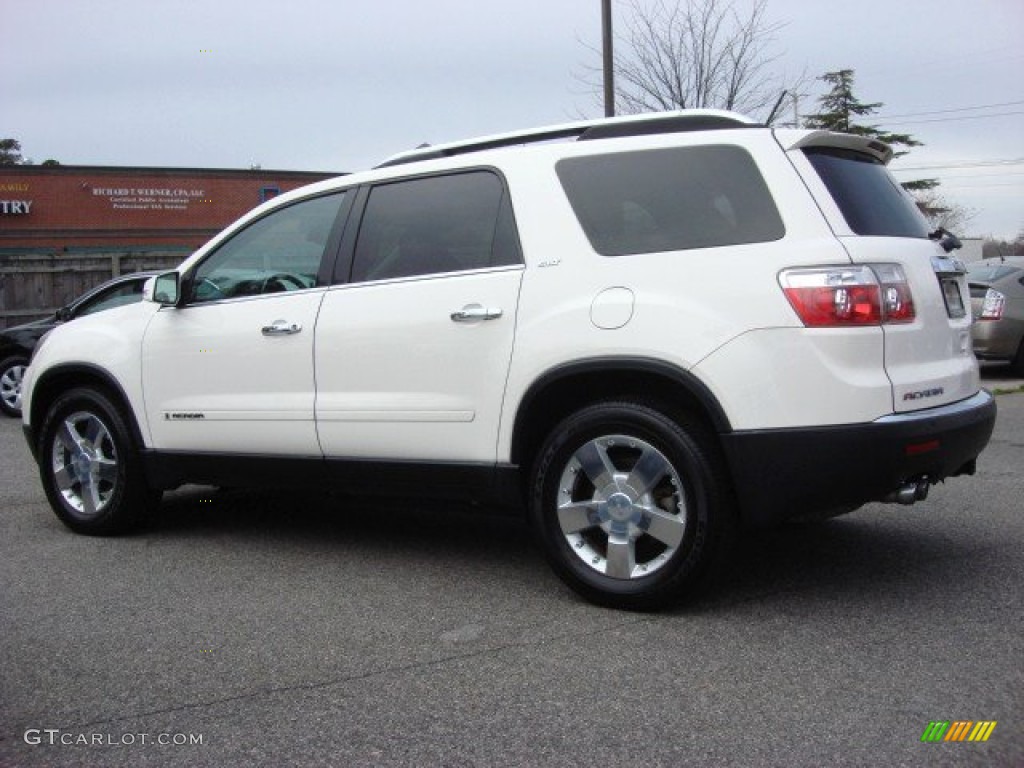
(90, 466)
(12, 370)
(631, 507)
(1017, 364)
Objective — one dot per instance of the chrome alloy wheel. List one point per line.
(621, 506)
(10, 387)
(84, 463)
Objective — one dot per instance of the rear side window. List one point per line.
(670, 199)
(872, 202)
(433, 225)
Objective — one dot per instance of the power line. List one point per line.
(979, 164)
(952, 119)
(984, 176)
(989, 57)
(1013, 185)
(958, 109)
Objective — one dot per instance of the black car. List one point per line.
(16, 344)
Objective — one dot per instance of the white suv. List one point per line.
(643, 330)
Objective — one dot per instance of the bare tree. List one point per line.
(994, 247)
(952, 217)
(703, 53)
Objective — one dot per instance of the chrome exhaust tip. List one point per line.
(921, 489)
(911, 492)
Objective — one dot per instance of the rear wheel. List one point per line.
(1017, 364)
(90, 466)
(630, 506)
(12, 371)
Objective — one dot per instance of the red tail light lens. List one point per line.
(833, 297)
(995, 303)
(849, 296)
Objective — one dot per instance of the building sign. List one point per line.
(149, 198)
(15, 207)
(61, 207)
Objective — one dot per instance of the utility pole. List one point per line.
(609, 61)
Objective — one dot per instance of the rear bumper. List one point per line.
(997, 339)
(787, 473)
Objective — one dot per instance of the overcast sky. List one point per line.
(339, 85)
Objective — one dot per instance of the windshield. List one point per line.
(872, 202)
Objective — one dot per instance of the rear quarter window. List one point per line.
(670, 199)
(871, 201)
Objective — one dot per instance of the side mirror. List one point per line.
(164, 289)
(63, 314)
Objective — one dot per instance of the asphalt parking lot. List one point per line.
(278, 630)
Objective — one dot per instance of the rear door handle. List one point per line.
(281, 328)
(473, 312)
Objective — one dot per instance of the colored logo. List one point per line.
(958, 730)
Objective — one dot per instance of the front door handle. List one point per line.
(281, 328)
(473, 312)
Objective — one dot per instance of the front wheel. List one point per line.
(631, 506)
(90, 466)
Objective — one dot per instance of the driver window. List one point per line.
(279, 252)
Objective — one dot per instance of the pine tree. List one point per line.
(839, 111)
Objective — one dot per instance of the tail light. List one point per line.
(849, 296)
(897, 303)
(992, 308)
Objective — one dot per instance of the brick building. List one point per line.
(67, 208)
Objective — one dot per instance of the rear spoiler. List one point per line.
(797, 139)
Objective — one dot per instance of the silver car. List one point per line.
(997, 305)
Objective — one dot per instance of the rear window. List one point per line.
(670, 199)
(872, 202)
(988, 272)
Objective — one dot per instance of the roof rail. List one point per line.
(607, 128)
